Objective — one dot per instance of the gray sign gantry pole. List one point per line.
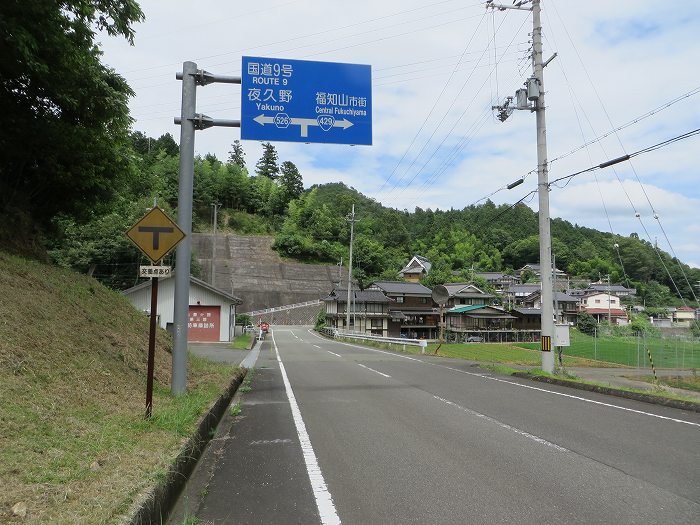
(189, 121)
(184, 221)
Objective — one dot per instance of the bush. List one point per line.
(243, 319)
(320, 320)
(586, 323)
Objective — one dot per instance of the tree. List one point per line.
(267, 165)
(586, 323)
(236, 155)
(65, 114)
(290, 180)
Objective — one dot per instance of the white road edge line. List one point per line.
(324, 500)
(571, 396)
(337, 355)
(538, 439)
(373, 370)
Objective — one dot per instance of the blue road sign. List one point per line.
(305, 101)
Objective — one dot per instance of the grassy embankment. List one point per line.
(74, 447)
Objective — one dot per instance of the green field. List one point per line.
(633, 351)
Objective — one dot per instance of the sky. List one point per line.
(625, 78)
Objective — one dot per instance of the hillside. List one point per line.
(248, 267)
(74, 447)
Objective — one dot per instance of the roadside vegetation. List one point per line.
(242, 342)
(74, 446)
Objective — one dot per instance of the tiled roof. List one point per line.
(402, 287)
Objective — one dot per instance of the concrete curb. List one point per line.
(155, 505)
(646, 398)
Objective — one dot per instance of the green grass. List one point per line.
(565, 376)
(242, 342)
(684, 382)
(483, 352)
(235, 410)
(632, 351)
(74, 445)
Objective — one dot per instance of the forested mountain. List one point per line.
(312, 225)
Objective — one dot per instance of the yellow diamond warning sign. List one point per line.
(155, 234)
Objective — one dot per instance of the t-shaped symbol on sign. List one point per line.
(156, 231)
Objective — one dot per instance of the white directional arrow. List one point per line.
(262, 120)
(303, 123)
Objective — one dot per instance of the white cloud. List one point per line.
(616, 61)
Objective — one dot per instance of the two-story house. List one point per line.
(604, 307)
(499, 280)
(566, 308)
(488, 323)
(412, 312)
(369, 311)
(417, 268)
(534, 268)
(466, 294)
(615, 289)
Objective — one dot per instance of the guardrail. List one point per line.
(284, 307)
(341, 334)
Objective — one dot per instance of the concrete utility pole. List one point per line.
(534, 92)
(216, 206)
(352, 236)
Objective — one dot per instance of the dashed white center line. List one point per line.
(316, 346)
(373, 370)
(337, 355)
(537, 439)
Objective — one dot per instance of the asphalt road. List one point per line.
(333, 433)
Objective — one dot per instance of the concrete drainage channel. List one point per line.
(157, 503)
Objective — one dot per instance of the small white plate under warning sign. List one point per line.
(155, 271)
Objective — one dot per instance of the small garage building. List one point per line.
(212, 312)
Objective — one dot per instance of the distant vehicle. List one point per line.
(264, 326)
(475, 339)
(249, 328)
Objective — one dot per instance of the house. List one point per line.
(516, 293)
(499, 280)
(603, 307)
(369, 311)
(683, 316)
(528, 319)
(212, 312)
(558, 274)
(412, 312)
(616, 289)
(466, 294)
(490, 323)
(417, 268)
(565, 307)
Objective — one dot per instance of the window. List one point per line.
(612, 301)
(424, 300)
(377, 323)
(399, 299)
(597, 301)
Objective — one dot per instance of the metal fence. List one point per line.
(635, 350)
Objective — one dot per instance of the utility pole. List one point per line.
(216, 206)
(608, 288)
(351, 219)
(534, 92)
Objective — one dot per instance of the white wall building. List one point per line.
(212, 312)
